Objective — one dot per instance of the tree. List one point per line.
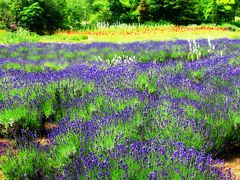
(49, 15)
(143, 9)
(134, 4)
(116, 7)
(180, 11)
(237, 8)
(54, 14)
(31, 17)
(36, 15)
(157, 10)
(217, 11)
(75, 13)
(88, 8)
(5, 14)
(101, 11)
(226, 10)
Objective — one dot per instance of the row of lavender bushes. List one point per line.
(161, 118)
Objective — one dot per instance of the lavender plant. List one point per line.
(121, 116)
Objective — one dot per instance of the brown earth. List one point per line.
(3, 145)
(43, 141)
(232, 160)
(50, 126)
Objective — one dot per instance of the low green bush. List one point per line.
(34, 164)
(19, 36)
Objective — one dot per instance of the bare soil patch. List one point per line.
(232, 160)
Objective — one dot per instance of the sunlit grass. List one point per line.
(125, 33)
(162, 33)
(163, 36)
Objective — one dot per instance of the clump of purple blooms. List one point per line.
(143, 110)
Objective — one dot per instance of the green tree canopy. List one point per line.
(49, 15)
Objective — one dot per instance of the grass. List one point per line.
(120, 35)
(125, 33)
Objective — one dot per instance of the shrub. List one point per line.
(19, 36)
(31, 17)
(28, 164)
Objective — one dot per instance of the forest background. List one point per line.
(47, 16)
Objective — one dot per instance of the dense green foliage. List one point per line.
(48, 15)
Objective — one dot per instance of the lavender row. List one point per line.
(122, 116)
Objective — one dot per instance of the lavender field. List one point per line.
(142, 110)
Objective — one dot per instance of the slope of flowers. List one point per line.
(153, 110)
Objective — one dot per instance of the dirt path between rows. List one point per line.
(232, 160)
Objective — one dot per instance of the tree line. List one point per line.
(49, 15)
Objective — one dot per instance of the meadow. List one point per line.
(123, 33)
(106, 110)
